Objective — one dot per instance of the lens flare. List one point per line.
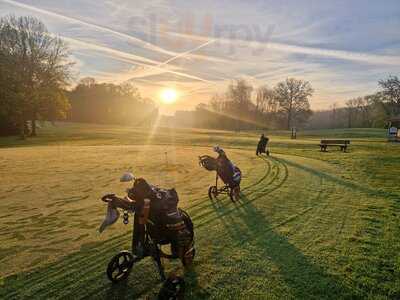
(169, 96)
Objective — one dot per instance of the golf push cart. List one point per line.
(122, 263)
(210, 164)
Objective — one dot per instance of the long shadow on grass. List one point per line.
(81, 275)
(305, 279)
(272, 185)
(348, 184)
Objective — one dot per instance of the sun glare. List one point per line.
(168, 96)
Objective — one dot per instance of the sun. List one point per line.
(169, 96)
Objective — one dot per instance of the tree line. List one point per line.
(363, 112)
(243, 107)
(107, 103)
(287, 105)
(35, 74)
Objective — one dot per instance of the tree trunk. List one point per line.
(289, 121)
(33, 126)
(22, 128)
(349, 120)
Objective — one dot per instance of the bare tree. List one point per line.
(333, 115)
(239, 92)
(87, 82)
(391, 91)
(292, 96)
(265, 100)
(364, 107)
(351, 108)
(217, 103)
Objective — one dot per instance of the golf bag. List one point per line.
(166, 223)
(262, 145)
(228, 172)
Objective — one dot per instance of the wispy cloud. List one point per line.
(130, 58)
(142, 43)
(342, 47)
(144, 72)
(270, 45)
(128, 37)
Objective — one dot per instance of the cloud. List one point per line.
(343, 47)
(130, 58)
(338, 54)
(128, 37)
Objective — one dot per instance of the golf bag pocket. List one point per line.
(173, 221)
(237, 175)
(181, 244)
(166, 213)
(165, 201)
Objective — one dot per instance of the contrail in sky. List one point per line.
(145, 44)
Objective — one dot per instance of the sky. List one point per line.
(343, 48)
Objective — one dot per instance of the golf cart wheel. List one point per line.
(120, 266)
(189, 258)
(234, 193)
(212, 192)
(173, 288)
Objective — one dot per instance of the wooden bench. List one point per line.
(340, 143)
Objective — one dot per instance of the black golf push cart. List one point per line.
(122, 263)
(232, 190)
(262, 146)
(160, 222)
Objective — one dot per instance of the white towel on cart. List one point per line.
(112, 215)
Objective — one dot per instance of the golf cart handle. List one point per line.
(108, 197)
(201, 157)
(117, 202)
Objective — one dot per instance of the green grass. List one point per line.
(310, 225)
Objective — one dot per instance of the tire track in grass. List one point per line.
(290, 218)
(211, 211)
(66, 263)
(277, 172)
(73, 279)
(205, 199)
(321, 207)
(287, 220)
(242, 233)
(347, 185)
(68, 272)
(148, 269)
(265, 191)
(94, 263)
(59, 272)
(229, 221)
(316, 205)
